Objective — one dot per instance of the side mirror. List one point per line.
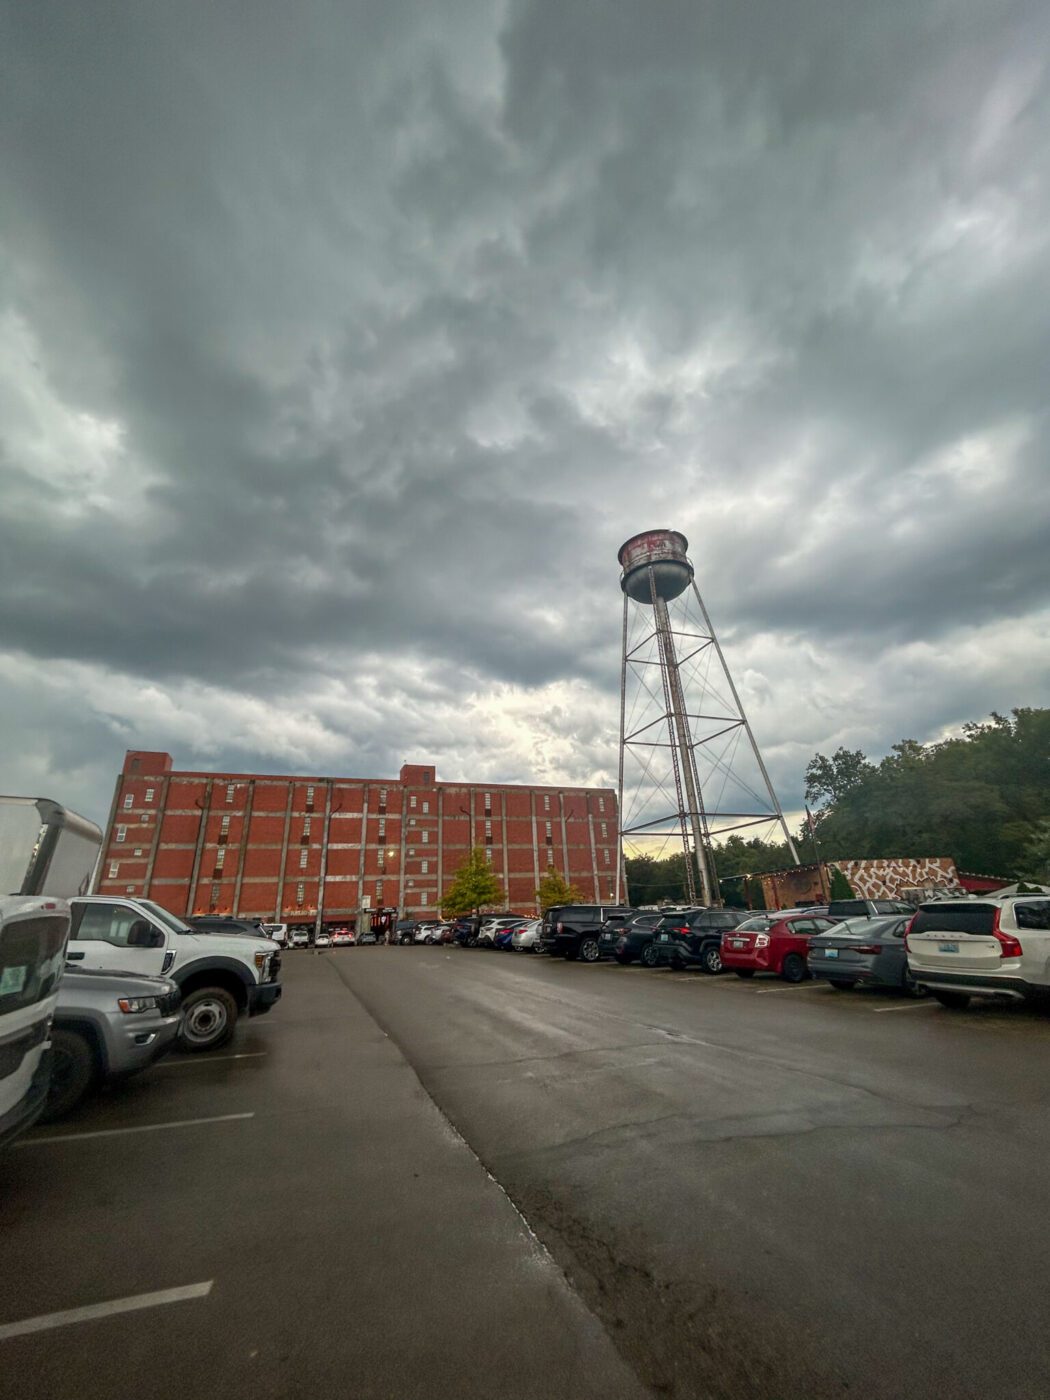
(144, 935)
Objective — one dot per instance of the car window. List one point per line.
(955, 918)
(107, 923)
(754, 925)
(848, 906)
(1034, 913)
(30, 960)
(806, 926)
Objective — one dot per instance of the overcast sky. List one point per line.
(342, 344)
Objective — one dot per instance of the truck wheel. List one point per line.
(209, 1018)
(650, 955)
(589, 950)
(73, 1072)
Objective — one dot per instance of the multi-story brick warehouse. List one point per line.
(305, 849)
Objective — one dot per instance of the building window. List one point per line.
(426, 809)
(144, 817)
(606, 855)
(122, 832)
(412, 802)
(382, 830)
(424, 868)
(220, 858)
(128, 802)
(382, 862)
(114, 866)
(488, 804)
(488, 853)
(224, 828)
(424, 836)
(306, 826)
(382, 799)
(379, 891)
(310, 798)
(149, 794)
(216, 891)
(304, 856)
(547, 833)
(546, 803)
(229, 792)
(129, 889)
(300, 891)
(424, 898)
(605, 830)
(601, 804)
(138, 850)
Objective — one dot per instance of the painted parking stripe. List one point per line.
(184, 1060)
(908, 1006)
(96, 1310)
(43, 1141)
(795, 987)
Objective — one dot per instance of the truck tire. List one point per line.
(73, 1071)
(711, 960)
(209, 1019)
(650, 955)
(590, 950)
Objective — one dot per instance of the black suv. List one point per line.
(625, 940)
(573, 930)
(693, 939)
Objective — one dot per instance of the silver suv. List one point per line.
(107, 1026)
(993, 946)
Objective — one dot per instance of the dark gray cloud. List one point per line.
(340, 349)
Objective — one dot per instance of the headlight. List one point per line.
(261, 962)
(134, 1006)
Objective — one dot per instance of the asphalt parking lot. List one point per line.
(738, 1189)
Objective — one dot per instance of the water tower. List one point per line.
(685, 776)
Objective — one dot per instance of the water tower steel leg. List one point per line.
(684, 760)
(751, 738)
(619, 789)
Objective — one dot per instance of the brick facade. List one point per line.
(292, 849)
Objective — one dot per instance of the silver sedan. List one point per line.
(869, 951)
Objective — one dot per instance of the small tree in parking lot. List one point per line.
(473, 886)
(555, 889)
(840, 886)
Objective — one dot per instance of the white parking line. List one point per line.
(95, 1310)
(908, 1006)
(183, 1060)
(43, 1141)
(795, 987)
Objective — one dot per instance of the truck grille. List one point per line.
(275, 966)
(167, 1005)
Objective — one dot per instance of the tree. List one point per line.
(840, 886)
(1035, 859)
(829, 779)
(555, 889)
(473, 886)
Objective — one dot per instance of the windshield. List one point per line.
(753, 925)
(165, 916)
(862, 928)
(955, 918)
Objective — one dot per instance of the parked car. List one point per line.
(992, 946)
(405, 931)
(637, 936)
(867, 950)
(299, 938)
(369, 936)
(323, 939)
(342, 938)
(428, 932)
(864, 908)
(693, 939)
(278, 932)
(465, 931)
(573, 930)
(504, 938)
(222, 976)
(107, 1027)
(775, 942)
(446, 933)
(490, 927)
(224, 923)
(617, 928)
(526, 937)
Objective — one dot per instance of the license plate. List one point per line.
(830, 952)
(739, 942)
(947, 947)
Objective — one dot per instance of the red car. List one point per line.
(774, 942)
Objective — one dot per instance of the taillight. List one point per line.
(683, 930)
(1009, 947)
(868, 948)
(762, 940)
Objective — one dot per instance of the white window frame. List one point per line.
(304, 856)
(114, 870)
(424, 868)
(129, 801)
(424, 837)
(426, 809)
(122, 834)
(230, 788)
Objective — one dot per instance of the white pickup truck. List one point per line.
(222, 976)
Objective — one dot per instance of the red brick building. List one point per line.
(298, 849)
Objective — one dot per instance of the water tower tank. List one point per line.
(664, 550)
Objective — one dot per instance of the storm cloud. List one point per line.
(342, 345)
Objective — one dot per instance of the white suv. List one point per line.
(960, 948)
